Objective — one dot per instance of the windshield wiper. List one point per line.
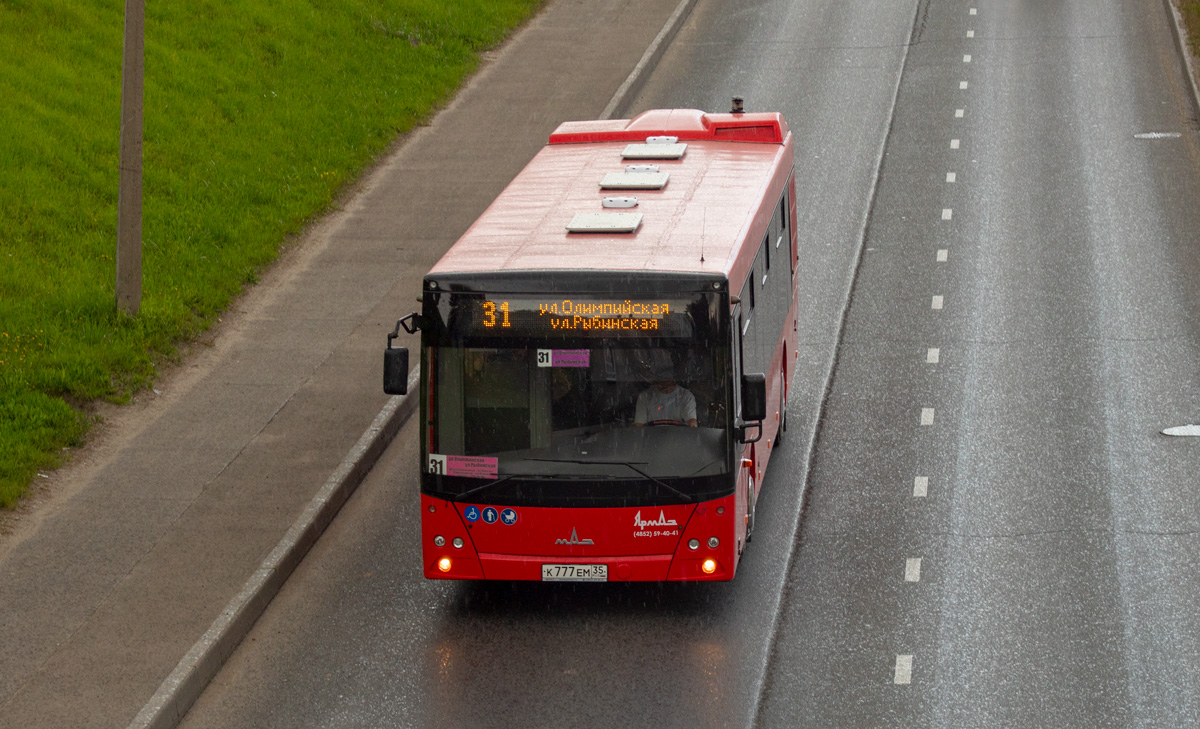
(482, 487)
(681, 494)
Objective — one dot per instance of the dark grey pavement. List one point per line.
(167, 522)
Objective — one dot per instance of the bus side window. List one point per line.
(766, 257)
(735, 356)
(782, 220)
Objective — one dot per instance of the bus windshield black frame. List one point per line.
(605, 393)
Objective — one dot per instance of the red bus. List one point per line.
(605, 355)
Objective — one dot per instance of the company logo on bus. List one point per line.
(574, 539)
(661, 521)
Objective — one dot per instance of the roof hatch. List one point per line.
(634, 180)
(604, 223)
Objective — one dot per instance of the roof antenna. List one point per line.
(739, 105)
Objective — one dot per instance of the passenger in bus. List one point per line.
(665, 403)
(568, 405)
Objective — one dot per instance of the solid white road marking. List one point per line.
(1189, 430)
(942, 255)
(903, 674)
(926, 416)
(920, 487)
(933, 355)
(912, 569)
(937, 302)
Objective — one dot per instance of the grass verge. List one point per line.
(1191, 18)
(256, 114)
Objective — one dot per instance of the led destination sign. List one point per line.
(575, 316)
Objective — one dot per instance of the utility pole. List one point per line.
(129, 192)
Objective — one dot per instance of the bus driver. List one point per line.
(665, 403)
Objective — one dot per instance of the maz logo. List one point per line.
(574, 539)
(661, 521)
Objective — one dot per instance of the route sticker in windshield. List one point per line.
(465, 466)
(564, 357)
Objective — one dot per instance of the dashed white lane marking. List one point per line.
(974, 11)
(962, 84)
(926, 416)
(933, 355)
(951, 176)
(942, 255)
(937, 302)
(912, 569)
(958, 113)
(953, 144)
(947, 213)
(920, 487)
(970, 34)
(903, 673)
(967, 58)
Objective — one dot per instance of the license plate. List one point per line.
(574, 573)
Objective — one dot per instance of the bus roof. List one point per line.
(726, 177)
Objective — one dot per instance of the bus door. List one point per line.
(745, 451)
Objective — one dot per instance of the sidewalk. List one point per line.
(170, 517)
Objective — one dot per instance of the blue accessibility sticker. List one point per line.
(508, 516)
(490, 515)
(471, 513)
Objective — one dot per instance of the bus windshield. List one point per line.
(577, 389)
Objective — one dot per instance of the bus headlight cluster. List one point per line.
(713, 543)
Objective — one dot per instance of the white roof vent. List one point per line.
(634, 169)
(604, 223)
(619, 202)
(635, 180)
(656, 148)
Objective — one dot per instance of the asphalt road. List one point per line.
(974, 522)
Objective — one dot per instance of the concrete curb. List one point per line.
(184, 685)
(175, 696)
(637, 78)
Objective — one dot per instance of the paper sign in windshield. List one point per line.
(564, 357)
(465, 466)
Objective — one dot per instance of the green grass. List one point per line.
(256, 114)
(1191, 18)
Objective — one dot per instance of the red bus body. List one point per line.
(729, 196)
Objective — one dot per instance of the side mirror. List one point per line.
(754, 398)
(395, 371)
(395, 361)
